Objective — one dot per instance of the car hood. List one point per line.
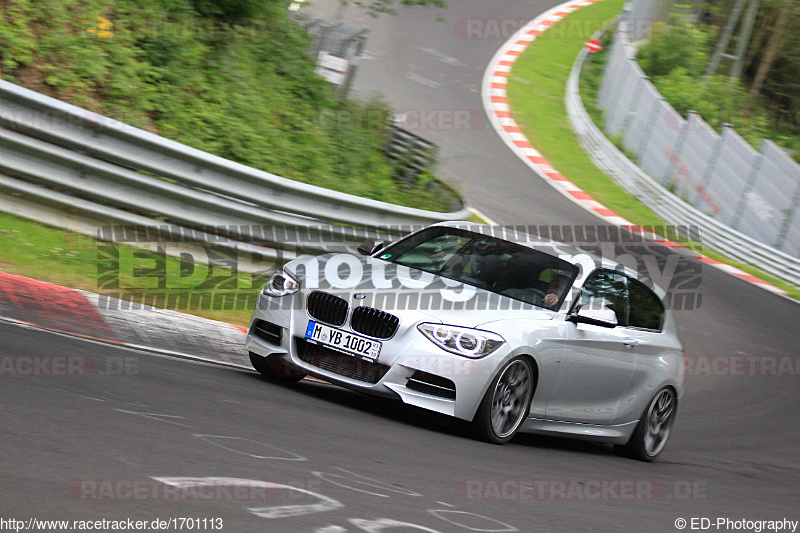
(402, 290)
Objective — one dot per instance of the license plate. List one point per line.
(343, 341)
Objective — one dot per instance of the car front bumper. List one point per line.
(410, 367)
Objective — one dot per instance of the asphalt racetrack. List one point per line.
(142, 436)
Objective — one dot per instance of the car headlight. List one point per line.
(281, 284)
(467, 342)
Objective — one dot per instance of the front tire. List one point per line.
(274, 368)
(505, 404)
(652, 431)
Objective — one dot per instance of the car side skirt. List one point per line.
(616, 434)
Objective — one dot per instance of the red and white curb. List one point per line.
(495, 103)
(50, 307)
(45, 306)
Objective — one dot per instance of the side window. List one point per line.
(606, 289)
(646, 310)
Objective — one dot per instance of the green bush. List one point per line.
(234, 9)
(675, 58)
(242, 88)
(679, 45)
(718, 99)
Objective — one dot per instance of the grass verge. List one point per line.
(536, 96)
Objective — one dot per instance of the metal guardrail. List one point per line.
(412, 155)
(668, 206)
(66, 156)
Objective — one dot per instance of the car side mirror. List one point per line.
(370, 246)
(604, 317)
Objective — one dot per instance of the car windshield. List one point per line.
(486, 262)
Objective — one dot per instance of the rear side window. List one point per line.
(644, 307)
(635, 305)
(605, 289)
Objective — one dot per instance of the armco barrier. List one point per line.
(668, 206)
(63, 156)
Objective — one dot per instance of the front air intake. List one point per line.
(431, 384)
(340, 363)
(267, 331)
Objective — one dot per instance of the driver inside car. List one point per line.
(554, 291)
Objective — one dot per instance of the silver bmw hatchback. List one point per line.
(498, 329)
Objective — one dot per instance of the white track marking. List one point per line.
(279, 511)
(506, 528)
(156, 416)
(232, 441)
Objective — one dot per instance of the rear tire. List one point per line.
(274, 368)
(652, 431)
(506, 403)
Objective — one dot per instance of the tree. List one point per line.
(786, 18)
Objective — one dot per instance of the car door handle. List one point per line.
(630, 343)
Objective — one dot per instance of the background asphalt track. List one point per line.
(733, 453)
